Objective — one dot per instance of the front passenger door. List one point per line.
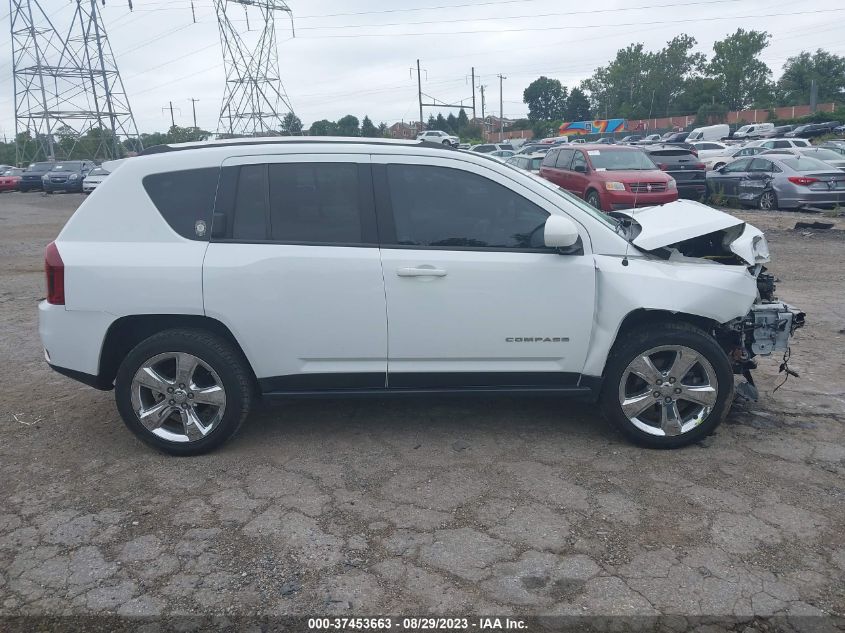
(474, 298)
(727, 179)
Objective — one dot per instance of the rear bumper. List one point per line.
(72, 340)
(29, 185)
(791, 200)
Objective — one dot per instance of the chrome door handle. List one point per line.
(422, 271)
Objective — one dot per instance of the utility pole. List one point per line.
(170, 107)
(473, 92)
(419, 94)
(501, 107)
(194, 108)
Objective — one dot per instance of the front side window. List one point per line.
(444, 207)
(737, 165)
(579, 162)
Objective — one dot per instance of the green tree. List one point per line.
(291, 125)
(462, 121)
(545, 98)
(348, 126)
(744, 79)
(441, 124)
(368, 129)
(577, 106)
(697, 91)
(383, 130)
(712, 113)
(452, 122)
(323, 127)
(828, 71)
(432, 123)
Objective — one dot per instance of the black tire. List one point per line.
(594, 200)
(768, 201)
(227, 361)
(449, 143)
(635, 343)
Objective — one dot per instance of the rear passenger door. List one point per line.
(293, 270)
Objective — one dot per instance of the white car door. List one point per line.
(293, 270)
(474, 299)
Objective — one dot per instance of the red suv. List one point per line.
(609, 177)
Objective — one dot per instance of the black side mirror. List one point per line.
(580, 168)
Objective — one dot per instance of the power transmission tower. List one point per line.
(67, 87)
(254, 100)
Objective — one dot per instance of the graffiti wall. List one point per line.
(599, 126)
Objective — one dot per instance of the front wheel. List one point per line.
(183, 391)
(594, 200)
(768, 201)
(667, 385)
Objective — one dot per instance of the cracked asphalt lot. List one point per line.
(450, 506)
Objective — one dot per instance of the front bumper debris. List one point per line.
(769, 326)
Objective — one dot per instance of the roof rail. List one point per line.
(162, 149)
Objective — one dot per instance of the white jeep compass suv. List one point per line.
(200, 277)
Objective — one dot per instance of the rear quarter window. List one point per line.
(184, 199)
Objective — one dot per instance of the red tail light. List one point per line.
(699, 166)
(802, 180)
(662, 166)
(55, 269)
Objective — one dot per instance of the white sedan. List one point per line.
(730, 154)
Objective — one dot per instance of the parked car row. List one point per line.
(79, 176)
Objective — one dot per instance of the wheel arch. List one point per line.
(644, 316)
(126, 332)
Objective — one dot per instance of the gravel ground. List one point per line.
(445, 506)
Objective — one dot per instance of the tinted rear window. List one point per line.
(806, 164)
(184, 198)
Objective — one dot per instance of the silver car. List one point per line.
(777, 181)
(832, 158)
(528, 162)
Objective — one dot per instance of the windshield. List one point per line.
(615, 160)
(535, 163)
(806, 164)
(98, 171)
(66, 167)
(40, 166)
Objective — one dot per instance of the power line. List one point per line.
(520, 17)
(575, 26)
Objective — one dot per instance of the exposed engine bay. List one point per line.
(686, 231)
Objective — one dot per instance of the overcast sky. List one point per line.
(354, 56)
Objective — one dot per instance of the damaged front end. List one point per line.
(766, 329)
(687, 231)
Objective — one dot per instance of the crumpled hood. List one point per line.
(669, 224)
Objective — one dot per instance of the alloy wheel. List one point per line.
(178, 397)
(668, 390)
(767, 201)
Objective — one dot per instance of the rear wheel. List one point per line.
(667, 385)
(183, 391)
(768, 201)
(594, 200)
